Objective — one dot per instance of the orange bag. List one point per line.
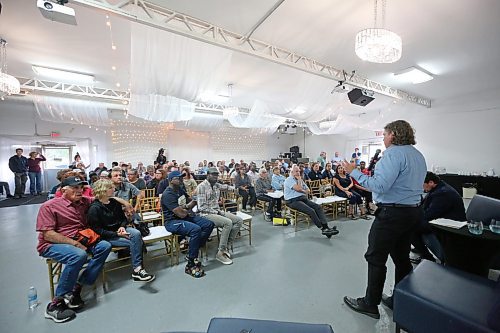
(87, 237)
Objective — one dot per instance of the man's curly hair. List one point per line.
(404, 134)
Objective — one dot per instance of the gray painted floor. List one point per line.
(284, 275)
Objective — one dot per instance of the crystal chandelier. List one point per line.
(376, 44)
(8, 84)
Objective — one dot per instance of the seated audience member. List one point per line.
(58, 223)
(327, 173)
(93, 177)
(106, 218)
(231, 164)
(153, 183)
(200, 170)
(307, 170)
(262, 188)
(87, 190)
(208, 197)
(365, 193)
(104, 175)
(442, 201)
(133, 178)
(253, 174)
(125, 190)
(245, 188)
(5, 185)
(363, 169)
(315, 174)
(180, 220)
(296, 192)
(336, 160)
(141, 169)
(278, 180)
(149, 174)
(189, 183)
(222, 171)
(100, 168)
(344, 188)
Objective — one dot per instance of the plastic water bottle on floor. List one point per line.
(32, 298)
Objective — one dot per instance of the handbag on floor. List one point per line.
(282, 221)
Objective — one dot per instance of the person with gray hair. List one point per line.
(262, 188)
(397, 188)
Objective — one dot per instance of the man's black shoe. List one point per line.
(387, 301)
(359, 305)
(414, 250)
(10, 196)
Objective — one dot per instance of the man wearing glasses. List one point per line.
(262, 188)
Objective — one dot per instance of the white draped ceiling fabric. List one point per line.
(69, 110)
(168, 73)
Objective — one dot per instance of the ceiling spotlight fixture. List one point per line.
(414, 75)
(62, 75)
(377, 44)
(8, 84)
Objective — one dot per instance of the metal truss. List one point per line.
(74, 90)
(108, 95)
(147, 13)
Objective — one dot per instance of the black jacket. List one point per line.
(443, 201)
(106, 219)
(18, 164)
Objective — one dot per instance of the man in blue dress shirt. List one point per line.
(397, 189)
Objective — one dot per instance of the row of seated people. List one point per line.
(106, 210)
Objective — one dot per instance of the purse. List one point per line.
(87, 237)
(143, 228)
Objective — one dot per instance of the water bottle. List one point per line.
(32, 298)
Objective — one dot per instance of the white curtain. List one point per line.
(169, 71)
(201, 122)
(155, 107)
(69, 110)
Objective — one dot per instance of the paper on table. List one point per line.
(449, 223)
(275, 194)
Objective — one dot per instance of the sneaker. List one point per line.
(59, 312)
(74, 301)
(10, 196)
(227, 253)
(329, 232)
(221, 256)
(143, 276)
(244, 210)
(267, 217)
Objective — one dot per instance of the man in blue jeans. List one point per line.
(179, 219)
(59, 221)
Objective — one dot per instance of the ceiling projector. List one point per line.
(57, 11)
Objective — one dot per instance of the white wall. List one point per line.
(17, 129)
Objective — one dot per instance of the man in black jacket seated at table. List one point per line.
(442, 201)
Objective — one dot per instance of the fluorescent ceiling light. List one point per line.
(63, 75)
(414, 75)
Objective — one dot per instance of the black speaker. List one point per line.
(294, 149)
(359, 97)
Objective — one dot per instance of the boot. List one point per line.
(351, 213)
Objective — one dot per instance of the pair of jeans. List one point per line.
(73, 260)
(423, 239)
(389, 235)
(230, 225)
(35, 182)
(134, 243)
(4, 185)
(20, 179)
(197, 228)
(250, 194)
(272, 203)
(355, 198)
(312, 209)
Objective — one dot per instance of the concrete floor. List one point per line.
(284, 275)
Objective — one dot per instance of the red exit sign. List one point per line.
(379, 133)
(55, 134)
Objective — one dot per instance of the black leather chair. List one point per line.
(439, 299)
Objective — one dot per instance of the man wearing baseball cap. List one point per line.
(179, 219)
(59, 221)
(208, 195)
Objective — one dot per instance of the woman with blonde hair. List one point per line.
(189, 182)
(106, 217)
